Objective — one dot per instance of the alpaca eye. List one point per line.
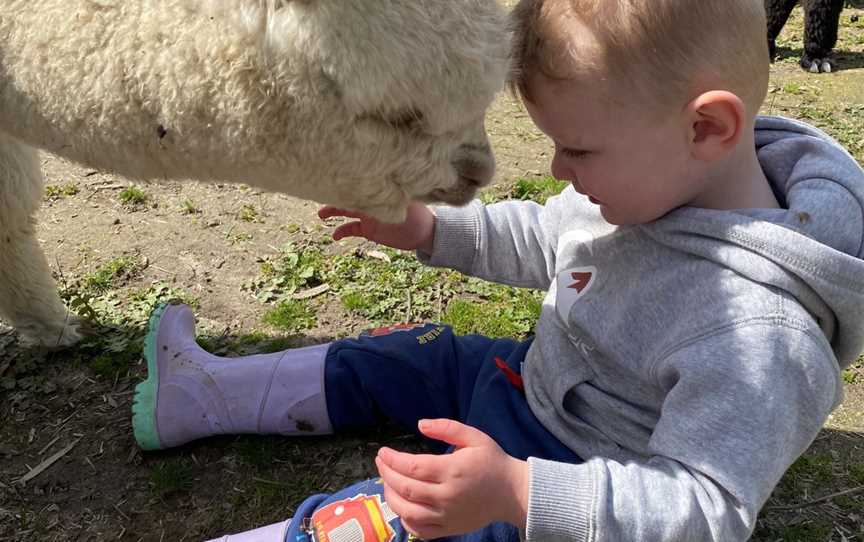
(406, 120)
(409, 119)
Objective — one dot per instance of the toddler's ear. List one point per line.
(716, 120)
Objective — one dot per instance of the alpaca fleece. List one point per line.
(364, 105)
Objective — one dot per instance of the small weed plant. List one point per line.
(133, 196)
(58, 191)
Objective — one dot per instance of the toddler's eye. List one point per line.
(574, 153)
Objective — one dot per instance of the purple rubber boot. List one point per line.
(190, 393)
(270, 533)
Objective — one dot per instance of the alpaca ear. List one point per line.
(716, 121)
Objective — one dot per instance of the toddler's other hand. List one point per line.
(456, 493)
(416, 233)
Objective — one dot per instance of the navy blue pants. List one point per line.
(406, 373)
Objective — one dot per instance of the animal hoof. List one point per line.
(817, 65)
(57, 336)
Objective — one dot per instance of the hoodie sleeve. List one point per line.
(511, 242)
(743, 403)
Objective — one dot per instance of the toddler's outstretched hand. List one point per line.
(416, 233)
(441, 495)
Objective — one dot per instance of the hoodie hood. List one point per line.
(812, 247)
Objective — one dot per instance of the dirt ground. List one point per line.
(199, 239)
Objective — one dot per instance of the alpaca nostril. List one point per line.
(477, 174)
(475, 164)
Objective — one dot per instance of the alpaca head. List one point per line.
(396, 93)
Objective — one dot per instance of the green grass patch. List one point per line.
(111, 273)
(259, 452)
(121, 318)
(109, 364)
(808, 473)
(58, 191)
(133, 195)
(296, 267)
(400, 290)
(270, 494)
(855, 373)
(189, 207)
(805, 532)
(291, 316)
(248, 213)
(170, 477)
(845, 124)
(255, 342)
(538, 190)
(395, 287)
(502, 312)
(856, 473)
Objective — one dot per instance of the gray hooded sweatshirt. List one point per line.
(690, 360)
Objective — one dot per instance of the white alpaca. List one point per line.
(363, 104)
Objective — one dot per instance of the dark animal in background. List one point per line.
(821, 21)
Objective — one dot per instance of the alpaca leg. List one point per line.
(821, 22)
(777, 12)
(28, 294)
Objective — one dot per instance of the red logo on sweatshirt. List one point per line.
(573, 283)
(582, 279)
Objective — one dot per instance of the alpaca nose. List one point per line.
(475, 164)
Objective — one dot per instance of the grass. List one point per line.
(295, 267)
(805, 532)
(58, 191)
(189, 207)
(538, 190)
(248, 213)
(121, 315)
(258, 452)
(383, 292)
(111, 273)
(133, 196)
(291, 316)
(171, 476)
(493, 319)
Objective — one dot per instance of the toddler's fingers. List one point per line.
(412, 514)
(351, 229)
(453, 432)
(424, 467)
(328, 212)
(407, 488)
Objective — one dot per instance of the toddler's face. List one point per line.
(634, 166)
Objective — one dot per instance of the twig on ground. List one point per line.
(851, 491)
(44, 448)
(105, 187)
(41, 467)
(311, 292)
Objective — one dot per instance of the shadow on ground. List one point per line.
(843, 60)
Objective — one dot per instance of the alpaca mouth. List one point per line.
(474, 168)
(461, 194)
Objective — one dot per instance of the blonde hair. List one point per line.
(663, 50)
